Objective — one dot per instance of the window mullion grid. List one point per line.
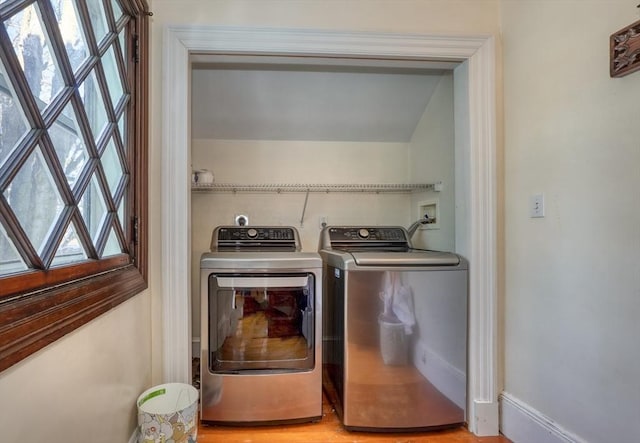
(14, 229)
(58, 230)
(57, 43)
(115, 42)
(135, 8)
(103, 236)
(85, 19)
(109, 14)
(111, 209)
(18, 236)
(55, 236)
(80, 188)
(20, 85)
(18, 157)
(64, 65)
(83, 234)
(12, 7)
(121, 191)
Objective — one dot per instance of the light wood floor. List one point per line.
(329, 430)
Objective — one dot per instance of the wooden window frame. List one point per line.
(39, 307)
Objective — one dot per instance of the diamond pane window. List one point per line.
(117, 10)
(111, 166)
(112, 73)
(93, 208)
(121, 212)
(93, 104)
(13, 124)
(123, 46)
(10, 260)
(73, 165)
(98, 18)
(73, 37)
(70, 249)
(113, 245)
(121, 125)
(69, 146)
(34, 199)
(32, 47)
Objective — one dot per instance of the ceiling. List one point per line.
(310, 99)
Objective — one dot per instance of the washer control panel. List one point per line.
(365, 234)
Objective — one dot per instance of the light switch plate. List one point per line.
(536, 206)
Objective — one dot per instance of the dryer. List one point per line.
(261, 308)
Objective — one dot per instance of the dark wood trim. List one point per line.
(141, 112)
(624, 51)
(25, 283)
(31, 323)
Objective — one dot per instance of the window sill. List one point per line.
(30, 323)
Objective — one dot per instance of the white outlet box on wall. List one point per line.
(432, 209)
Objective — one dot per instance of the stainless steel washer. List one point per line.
(395, 330)
(261, 328)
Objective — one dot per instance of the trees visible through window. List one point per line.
(72, 144)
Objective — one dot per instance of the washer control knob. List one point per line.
(363, 233)
(252, 233)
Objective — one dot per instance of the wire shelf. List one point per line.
(326, 188)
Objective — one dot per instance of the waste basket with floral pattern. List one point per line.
(168, 414)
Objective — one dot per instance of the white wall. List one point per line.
(573, 277)
(431, 159)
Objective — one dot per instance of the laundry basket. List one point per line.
(168, 414)
(394, 341)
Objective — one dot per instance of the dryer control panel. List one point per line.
(255, 238)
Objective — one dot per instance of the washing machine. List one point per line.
(261, 310)
(395, 330)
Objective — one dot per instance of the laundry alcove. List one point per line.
(477, 236)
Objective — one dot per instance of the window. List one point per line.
(73, 136)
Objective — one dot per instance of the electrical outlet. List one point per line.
(323, 221)
(536, 206)
(241, 219)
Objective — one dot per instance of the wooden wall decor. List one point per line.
(624, 50)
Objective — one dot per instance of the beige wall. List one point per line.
(84, 387)
(298, 162)
(431, 159)
(573, 277)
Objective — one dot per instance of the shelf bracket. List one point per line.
(304, 208)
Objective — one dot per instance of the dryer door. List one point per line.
(261, 322)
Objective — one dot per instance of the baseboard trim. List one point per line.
(521, 423)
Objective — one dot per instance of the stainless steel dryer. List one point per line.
(395, 330)
(261, 316)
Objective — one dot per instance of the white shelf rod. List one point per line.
(372, 188)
